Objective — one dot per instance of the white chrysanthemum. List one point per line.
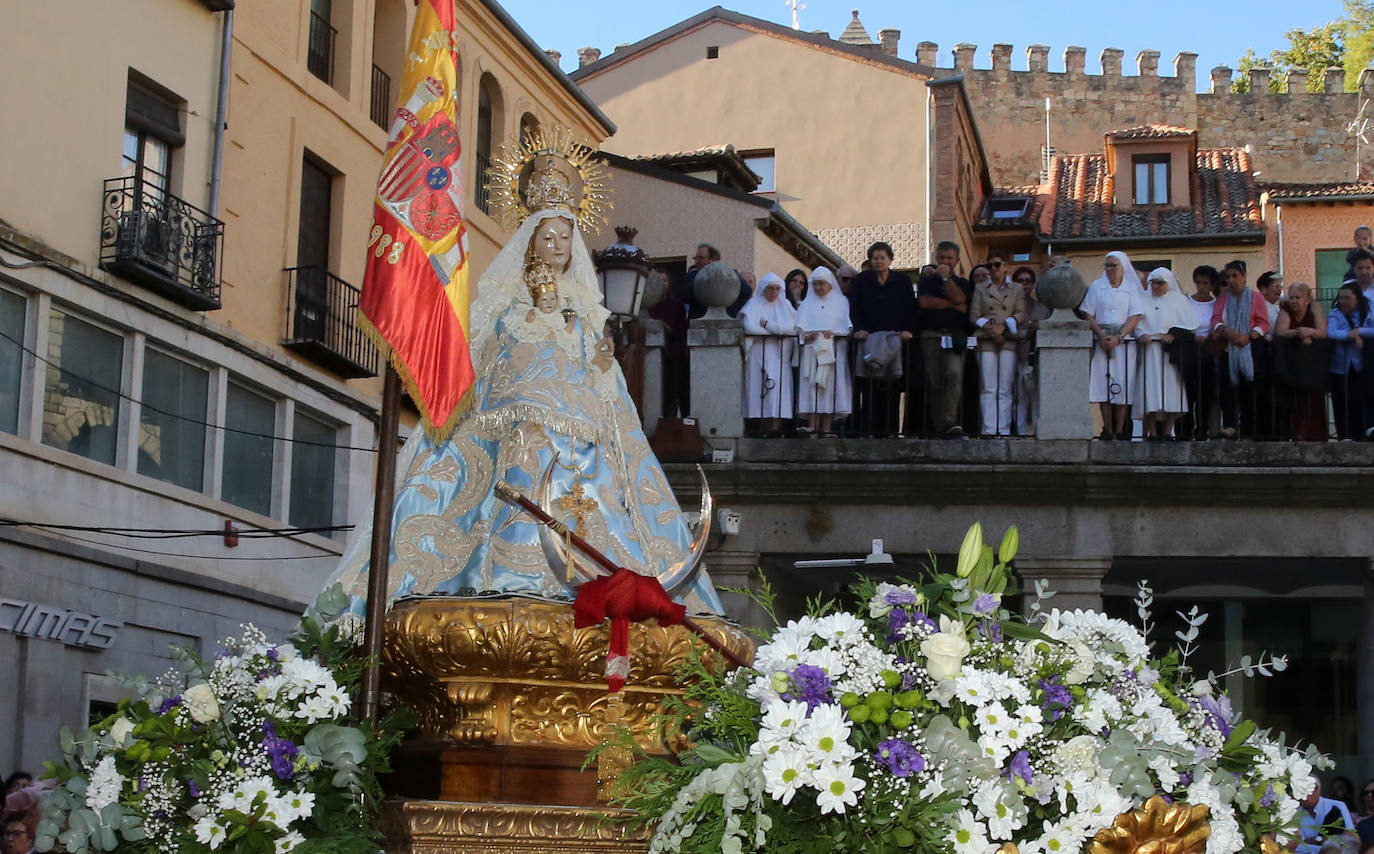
(782, 720)
(294, 806)
(992, 719)
(1099, 805)
(1099, 632)
(1018, 731)
(1004, 810)
(784, 652)
(836, 787)
(785, 771)
(825, 735)
(246, 791)
(841, 627)
(209, 832)
(289, 842)
(1226, 836)
(105, 785)
(973, 687)
(995, 746)
(1059, 838)
(1099, 710)
(969, 835)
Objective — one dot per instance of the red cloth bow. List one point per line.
(624, 596)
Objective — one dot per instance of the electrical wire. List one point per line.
(176, 415)
(250, 533)
(101, 544)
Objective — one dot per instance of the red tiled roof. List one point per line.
(1334, 191)
(723, 157)
(1152, 132)
(1224, 201)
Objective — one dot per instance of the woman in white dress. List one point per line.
(770, 329)
(1113, 307)
(823, 326)
(1158, 395)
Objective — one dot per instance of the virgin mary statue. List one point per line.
(550, 416)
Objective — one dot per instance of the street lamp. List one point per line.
(622, 270)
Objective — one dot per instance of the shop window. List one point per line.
(81, 399)
(252, 421)
(171, 420)
(313, 457)
(12, 307)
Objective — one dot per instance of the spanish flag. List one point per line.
(415, 292)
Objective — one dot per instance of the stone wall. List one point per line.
(1296, 137)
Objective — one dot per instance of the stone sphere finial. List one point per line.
(715, 285)
(1061, 287)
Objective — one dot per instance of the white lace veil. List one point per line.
(504, 282)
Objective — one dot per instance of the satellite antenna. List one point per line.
(796, 6)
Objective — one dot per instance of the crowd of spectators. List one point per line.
(20, 814)
(871, 352)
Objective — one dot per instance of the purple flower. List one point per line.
(1185, 778)
(1057, 698)
(168, 704)
(1020, 766)
(921, 619)
(1218, 713)
(142, 784)
(810, 685)
(272, 653)
(281, 751)
(1268, 798)
(985, 605)
(991, 630)
(193, 790)
(898, 596)
(897, 619)
(900, 757)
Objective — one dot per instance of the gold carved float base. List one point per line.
(437, 827)
(511, 697)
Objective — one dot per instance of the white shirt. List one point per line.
(1114, 305)
(1203, 310)
(1273, 309)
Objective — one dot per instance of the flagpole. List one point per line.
(378, 569)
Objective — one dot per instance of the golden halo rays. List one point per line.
(549, 171)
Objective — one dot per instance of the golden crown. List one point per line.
(549, 171)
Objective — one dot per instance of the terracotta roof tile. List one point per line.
(1152, 132)
(1319, 192)
(723, 157)
(1080, 200)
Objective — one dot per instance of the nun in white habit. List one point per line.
(823, 326)
(1158, 396)
(770, 337)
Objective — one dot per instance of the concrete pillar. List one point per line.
(1076, 581)
(1221, 80)
(653, 375)
(731, 568)
(1075, 59)
(1297, 81)
(1259, 81)
(1064, 344)
(1185, 69)
(1111, 61)
(926, 53)
(963, 56)
(1038, 57)
(1367, 82)
(714, 344)
(1147, 63)
(1001, 57)
(1333, 81)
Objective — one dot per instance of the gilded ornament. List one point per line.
(549, 171)
(1158, 827)
(432, 827)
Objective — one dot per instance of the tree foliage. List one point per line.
(1347, 42)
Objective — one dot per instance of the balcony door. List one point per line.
(312, 251)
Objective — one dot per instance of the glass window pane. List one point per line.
(763, 166)
(130, 153)
(312, 473)
(248, 454)
(157, 160)
(11, 358)
(171, 428)
(1142, 183)
(81, 389)
(1161, 183)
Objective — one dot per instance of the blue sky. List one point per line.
(1218, 31)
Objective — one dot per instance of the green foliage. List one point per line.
(1347, 42)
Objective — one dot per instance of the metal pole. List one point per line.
(221, 109)
(378, 569)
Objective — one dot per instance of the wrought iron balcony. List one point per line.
(155, 239)
(381, 97)
(319, 53)
(320, 312)
(481, 195)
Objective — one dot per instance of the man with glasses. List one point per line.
(706, 254)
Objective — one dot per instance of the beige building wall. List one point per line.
(1181, 261)
(1309, 228)
(850, 152)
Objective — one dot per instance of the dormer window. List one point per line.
(1151, 179)
(1007, 208)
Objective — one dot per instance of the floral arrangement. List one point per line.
(252, 752)
(933, 718)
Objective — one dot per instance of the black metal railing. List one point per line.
(157, 240)
(320, 320)
(480, 194)
(319, 53)
(381, 98)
